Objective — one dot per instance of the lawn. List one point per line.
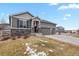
(34, 45)
(75, 35)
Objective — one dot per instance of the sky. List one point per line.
(63, 14)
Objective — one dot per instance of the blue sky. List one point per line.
(63, 14)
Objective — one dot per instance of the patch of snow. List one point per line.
(51, 50)
(62, 45)
(41, 53)
(43, 44)
(61, 48)
(26, 44)
(45, 41)
(28, 49)
(41, 40)
(25, 52)
(33, 52)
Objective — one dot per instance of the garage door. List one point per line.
(45, 31)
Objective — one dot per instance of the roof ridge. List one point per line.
(48, 21)
(19, 13)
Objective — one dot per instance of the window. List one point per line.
(17, 23)
(28, 23)
(35, 23)
(21, 23)
(24, 24)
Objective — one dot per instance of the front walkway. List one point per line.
(65, 38)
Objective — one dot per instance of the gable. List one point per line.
(23, 15)
(36, 18)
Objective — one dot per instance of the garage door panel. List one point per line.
(45, 31)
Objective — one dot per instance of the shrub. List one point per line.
(18, 36)
(4, 38)
(13, 38)
(25, 37)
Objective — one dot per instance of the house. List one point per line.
(25, 23)
(60, 29)
(4, 26)
(4, 29)
(71, 31)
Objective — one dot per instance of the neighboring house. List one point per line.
(60, 29)
(4, 26)
(26, 23)
(68, 31)
(4, 29)
(74, 31)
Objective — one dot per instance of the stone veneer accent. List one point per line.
(17, 32)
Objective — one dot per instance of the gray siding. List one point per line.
(14, 19)
(14, 22)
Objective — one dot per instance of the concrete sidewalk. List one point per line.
(65, 38)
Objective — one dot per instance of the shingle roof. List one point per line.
(45, 21)
(48, 22)
(20, 13)
(33, 17)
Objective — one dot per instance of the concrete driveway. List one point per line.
(65, 38)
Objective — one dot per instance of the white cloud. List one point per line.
(66, 16)
(69, 6)
(51, 4)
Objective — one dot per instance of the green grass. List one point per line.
(17, 47)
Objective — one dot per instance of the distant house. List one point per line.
(60, 29)
(4, 26)
(72, 31)
(25, 23)
(4, 29)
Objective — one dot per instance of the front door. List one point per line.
(36, 24)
